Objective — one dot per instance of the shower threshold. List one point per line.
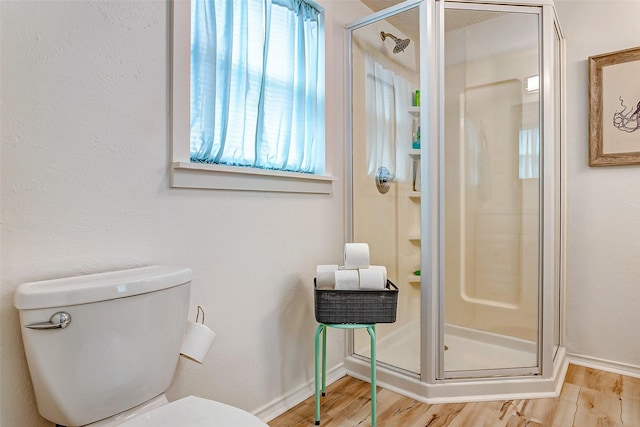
(469, 350)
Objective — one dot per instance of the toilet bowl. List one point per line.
(190, 411)
(102, 350)
(194, 411)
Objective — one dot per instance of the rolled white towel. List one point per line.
(384, 272)
(371, 279)
(347, 280)
(325, 276)
(356, 255)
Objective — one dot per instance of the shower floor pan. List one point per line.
(465, 349)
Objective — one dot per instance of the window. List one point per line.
(255, 95)
(529, 153)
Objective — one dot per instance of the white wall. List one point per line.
(85, 188)
(84, 156)
(603, 227)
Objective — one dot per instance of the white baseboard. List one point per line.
(605, 365)
(283, 403)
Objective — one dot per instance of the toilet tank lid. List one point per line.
(98, 287)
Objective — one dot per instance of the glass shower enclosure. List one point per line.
(455, 142)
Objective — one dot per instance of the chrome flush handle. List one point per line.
(59, 320)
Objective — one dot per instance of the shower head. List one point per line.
(401, 44)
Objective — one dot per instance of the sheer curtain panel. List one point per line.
(257, 99)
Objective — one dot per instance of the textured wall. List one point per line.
(84, 154)
(603, 226)
(85, 188)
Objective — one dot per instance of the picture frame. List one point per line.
(614, 108)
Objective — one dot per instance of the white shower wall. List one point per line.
(385, 221)
(491, 229)
(491, 215)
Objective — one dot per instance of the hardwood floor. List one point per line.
(589, 397)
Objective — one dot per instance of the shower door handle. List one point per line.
(59, 320)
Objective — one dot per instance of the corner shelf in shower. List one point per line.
(413, 279)
(415, 196)
(415, 166)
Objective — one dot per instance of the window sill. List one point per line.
(214, 177)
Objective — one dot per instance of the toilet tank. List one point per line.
(120, 348)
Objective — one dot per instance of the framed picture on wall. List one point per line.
(614, 108)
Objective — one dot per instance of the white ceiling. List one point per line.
(408, 22)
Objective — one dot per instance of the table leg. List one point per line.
(324, 361)
(320, 329)
(372, 333)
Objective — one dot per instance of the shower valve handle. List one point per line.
(383, 178)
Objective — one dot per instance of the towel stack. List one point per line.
(355, 274)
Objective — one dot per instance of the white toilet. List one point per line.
(102, 350)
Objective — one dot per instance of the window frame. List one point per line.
(186, 174)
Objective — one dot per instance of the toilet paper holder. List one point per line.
(198, 311)
(197, 339)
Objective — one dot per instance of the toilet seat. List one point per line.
(195, 411)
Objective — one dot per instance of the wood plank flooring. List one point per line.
(589, 397)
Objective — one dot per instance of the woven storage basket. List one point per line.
(366, 307)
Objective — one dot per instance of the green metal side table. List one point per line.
(321, 385)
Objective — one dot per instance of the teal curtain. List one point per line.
(255, 90)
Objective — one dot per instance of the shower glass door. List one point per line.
(385, 192)
(491, 191)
